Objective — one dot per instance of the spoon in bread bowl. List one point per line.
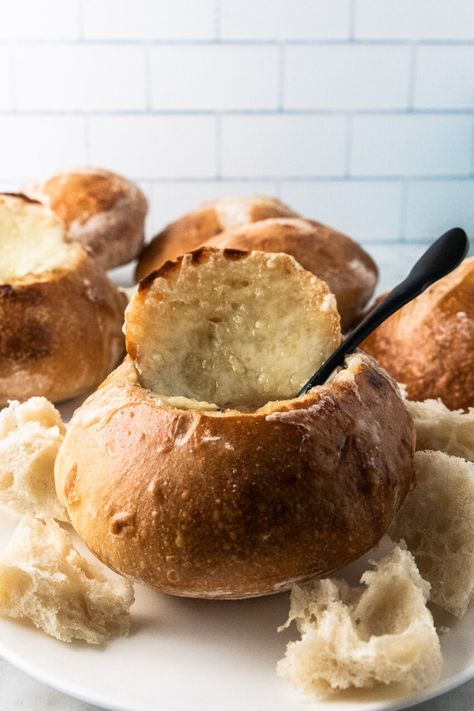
(444, 255)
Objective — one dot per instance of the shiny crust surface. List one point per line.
(229, 504)
(429, 344)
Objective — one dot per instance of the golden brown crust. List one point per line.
(348, 270)
(194, 229)
(61, 331)
(101, 210)
(429, 344)
(232, 504)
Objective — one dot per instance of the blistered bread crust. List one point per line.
(102, 210)
(195, 228)
(61, 331)
(229, 504)
(429, 344)
(347, 269)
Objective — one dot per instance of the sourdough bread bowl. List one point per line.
(196, 227)
(195, 469)
(429, 344)
(103, 211)
(60, 316)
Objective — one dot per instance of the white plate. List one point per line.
(194, 654)
(197, 654)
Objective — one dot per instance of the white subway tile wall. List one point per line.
(359, 113)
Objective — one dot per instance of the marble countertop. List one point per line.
(18, 691)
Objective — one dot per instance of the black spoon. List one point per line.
(440, 258)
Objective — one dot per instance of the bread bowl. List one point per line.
(103, 211)
(429, 344)
(348, 270)
(241, 495)
(61, 317)
(196, 227)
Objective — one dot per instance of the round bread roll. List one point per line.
(102, 210)
(61, 317)
(347, 269)
(234, 496)
(195, 228)
(429, 344)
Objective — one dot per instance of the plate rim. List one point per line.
(101, 701)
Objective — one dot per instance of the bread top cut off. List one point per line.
(31, 239)
(230, 329)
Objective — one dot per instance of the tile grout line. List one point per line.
(218, 140)
(352, 20)
(281, 66)
(251, 42)
(217, 21)
(80, 20)
(412, 78)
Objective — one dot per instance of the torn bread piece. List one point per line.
(438, 428)
(45, 580)
(357, 637)
(30, 436)
(436, 521)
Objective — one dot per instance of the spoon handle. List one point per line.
(440, 258)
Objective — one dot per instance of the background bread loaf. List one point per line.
(429, 344)
(103, 211)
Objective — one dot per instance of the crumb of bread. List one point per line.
(45, 580)
(438, 428)
(381, 632)
(436, 522)
(30, 435)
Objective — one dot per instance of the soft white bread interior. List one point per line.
(31, 239)
(438, 428)
(437, 522)
(381, 632)
(45, 580)
(239, 331)
(30, 435)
